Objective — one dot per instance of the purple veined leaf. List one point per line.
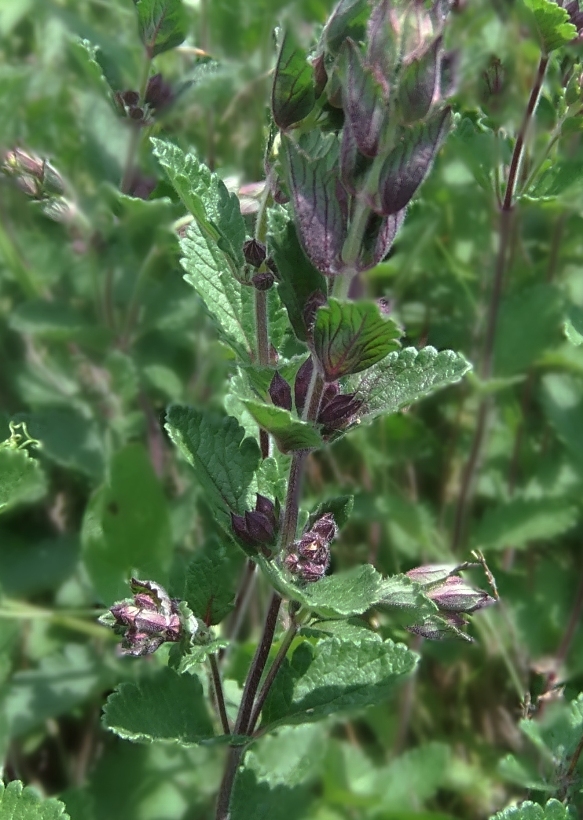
(280, 392)
(363, 100)
(318, 213)
(409, 162)
(419, 82)
(349, 337)
(377, 246)
(347, 20)
(163, 24)
(292, 93)
(382, 49)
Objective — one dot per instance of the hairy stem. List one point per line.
(219, 695)
(271, 675)
(486, 364)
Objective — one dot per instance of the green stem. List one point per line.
(353, 242)
(271, 675)
(133, 305)
(136, 132)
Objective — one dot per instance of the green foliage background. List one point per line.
(99, 332)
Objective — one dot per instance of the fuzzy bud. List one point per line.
(159, 93)
(258, 527)
(280, 392)
(254, 252)
(309, 557)
(263, 281)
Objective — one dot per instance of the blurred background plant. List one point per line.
(99, 332)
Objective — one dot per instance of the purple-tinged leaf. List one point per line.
(349, 337)
(292, 93)
(363, 100)
(419, 81)
(348, 19)
(163, 24)
(318, 213)
(409, 162)
(377, 243)
(280, 392)
(301, 384)
(382, 48)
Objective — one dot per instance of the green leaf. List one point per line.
(292, 94)
(563, 405)
(224, 461)
(289, 432)
(255, 799)
(573, 325)
(167, 707)
(553, 810)
(22, 480)
(404, 377)
(126, 528)
(230, 305)
(335, 677)
(183, 660)
(340, 507)
(349, 337)
(205, 195)
(552, 23)
(209, 592)
(18, 803)
(163, 24)
(298, 278)
(520, 521)
(290, 756)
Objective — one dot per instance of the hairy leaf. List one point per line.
(255, 799)
(338, 676)
(208, 591)
(349, 337)
(340, 507)
(404, 377)
(553, 810)
(166, 707)
(18, 803)
(22, 480)
(224, 461)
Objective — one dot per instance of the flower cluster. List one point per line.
(309, 558)
(158, 95)
(147, 620)
(455, 600)
(380, 90)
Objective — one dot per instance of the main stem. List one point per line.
(486, 365)
(247, 716)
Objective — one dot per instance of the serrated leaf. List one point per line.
(292, 93)
(224, 461)
(552, 23)
(163, 24)
(319, 218)
(346, 593)
(183, 661)
(205, 195)
(404, 377)
(290, 756)
(230, 305)
(22, 480)
(209, 593)
(520, 521)
(289, 432)
(349, 337)
(166, 707)
(126, 527)
(25, 803)
(298, 278)
(553, 810)
(337, 676)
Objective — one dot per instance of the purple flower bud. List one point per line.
(260, 529)
(301, 384)
(312, 572)
(442, 628)
(263, 281)
(454, 595)
(129, 98)
(136, 113)
(159, 93)
(257, 527)
(268, 508)
(419, 82)
(325, 527)
(240, 529)
(363, 101)
(254, 252)
(280, 392)
(339, 410)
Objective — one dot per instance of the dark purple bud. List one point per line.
(385, 306)
(301, 384)
(130, 98)
(263, 281)
(138, 644)
(339, 410)
(268, 508)
(363, 101)
(136, 113)
(312, 549)
(454, 595)
(159, 93)
(259, 527)
(240, 529)
(312, 572)
(380, 241)
(409, 162)
(254, 252)
(280, 392)
(272, 266)
(325, 527)
(141, 186)
(419, 82)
